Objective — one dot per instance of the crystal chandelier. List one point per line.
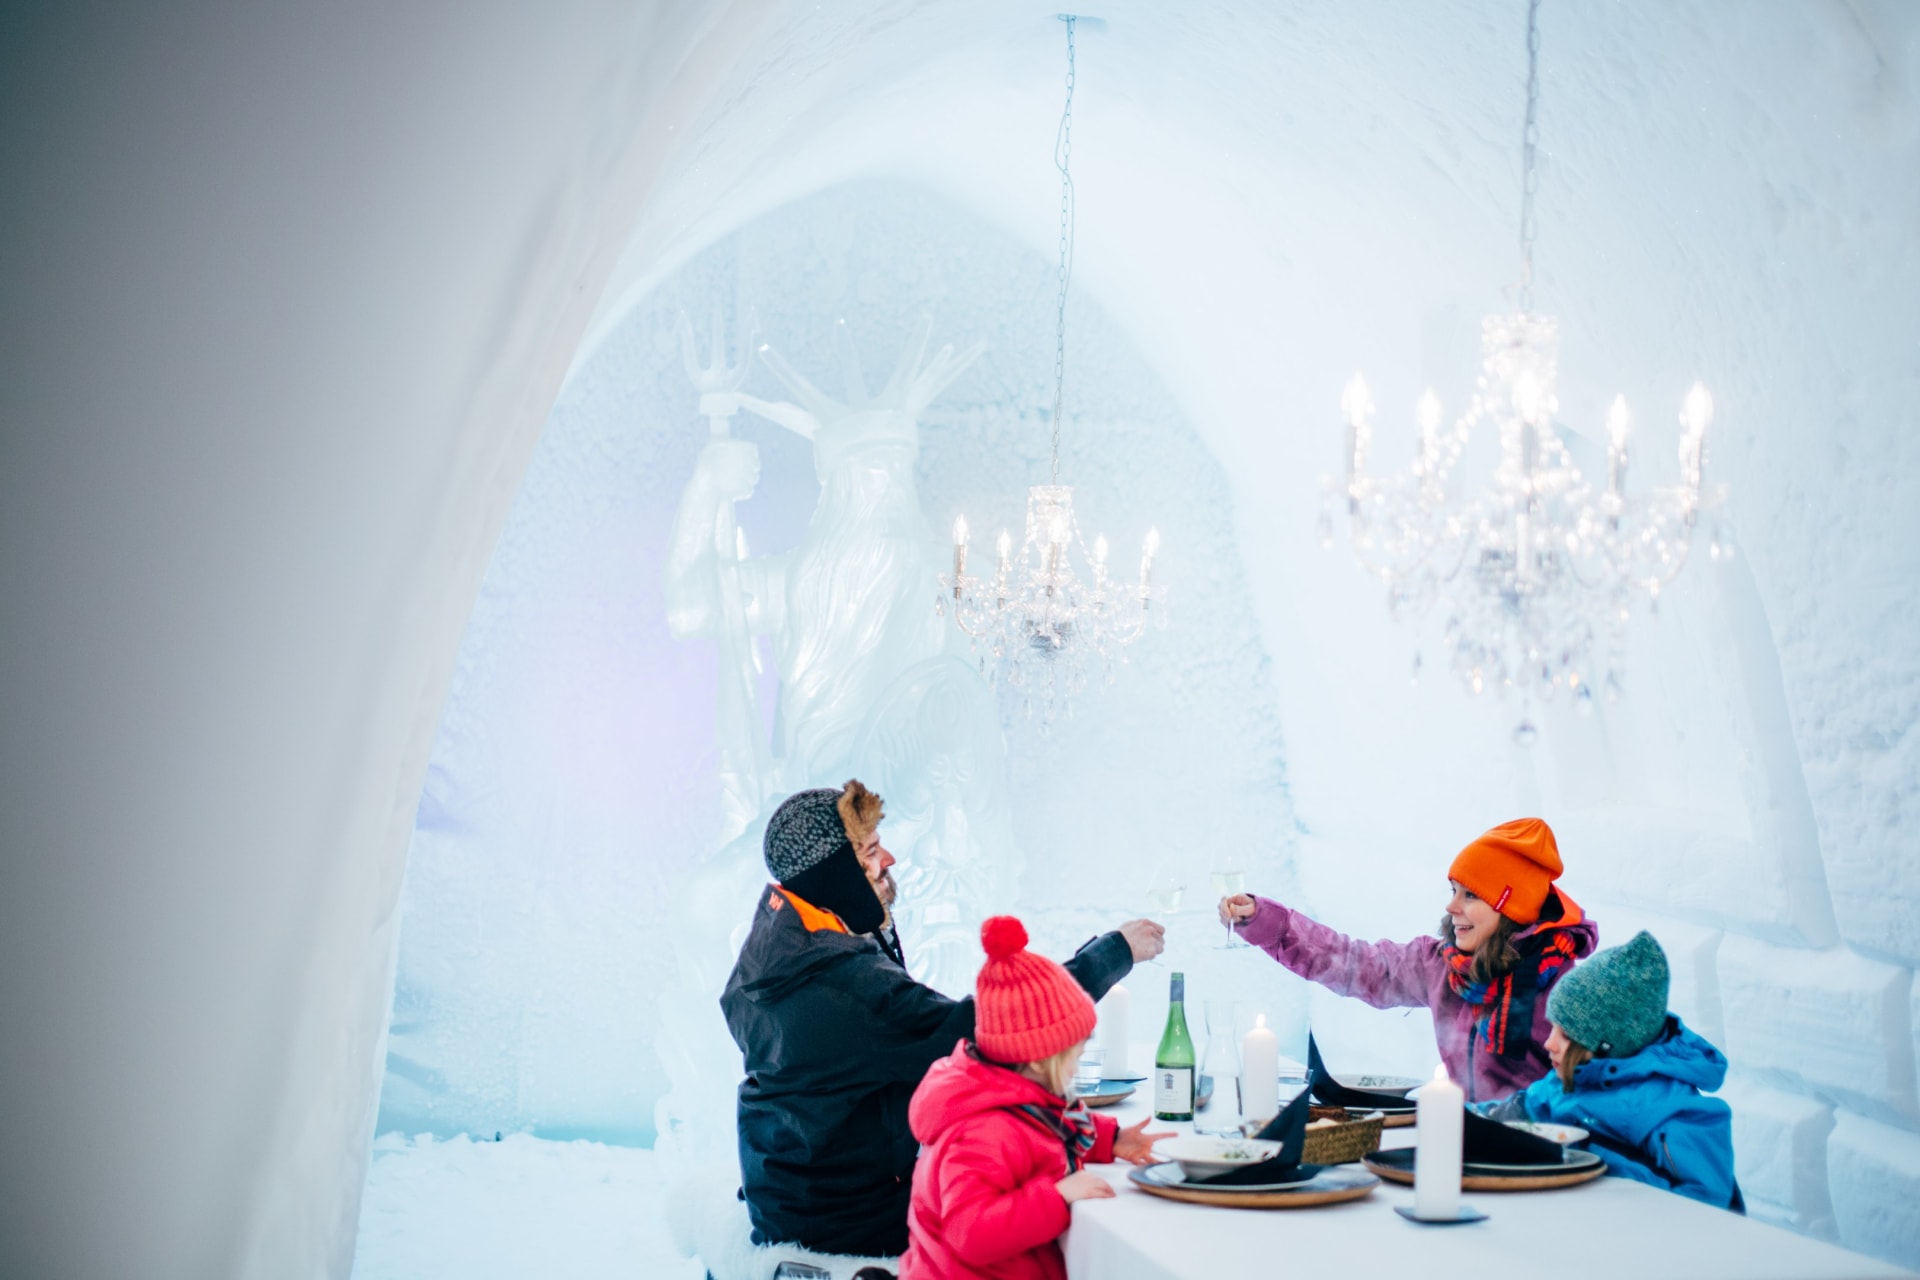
(1537, 570)
(1039, 622)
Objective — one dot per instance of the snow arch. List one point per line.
(290, 296)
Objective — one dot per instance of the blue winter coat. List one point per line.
(1647, 1113)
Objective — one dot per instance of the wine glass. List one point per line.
(1164, 892)
(1227, 883)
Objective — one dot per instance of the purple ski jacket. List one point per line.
(1399, 975)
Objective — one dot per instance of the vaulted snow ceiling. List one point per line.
(288, 297)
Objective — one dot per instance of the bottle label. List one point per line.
(1173, 1091)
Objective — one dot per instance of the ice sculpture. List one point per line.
(871, 684)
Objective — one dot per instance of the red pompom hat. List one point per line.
(1026, 1007)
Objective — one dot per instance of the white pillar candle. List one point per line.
(1114, 1010)
(1436, 1154)
(1260, 1072)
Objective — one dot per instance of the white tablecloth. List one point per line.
(1612, 1228)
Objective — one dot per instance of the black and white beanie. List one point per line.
(808, 852)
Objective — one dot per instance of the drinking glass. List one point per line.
(1087, 1071)
(1164, 892)
(1226, 884)
(1221, 1061)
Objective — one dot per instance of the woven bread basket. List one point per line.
(1343, 1141)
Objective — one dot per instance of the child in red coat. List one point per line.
(1002, 1152)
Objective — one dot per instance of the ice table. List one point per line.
(1611, 1228)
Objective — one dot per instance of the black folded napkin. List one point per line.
(1289, 1129)
(1334, 1094)
(1487, 1141)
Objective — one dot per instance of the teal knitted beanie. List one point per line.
(1615, 1003)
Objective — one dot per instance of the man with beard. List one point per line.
(836, 1036)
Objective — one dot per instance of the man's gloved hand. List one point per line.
(1147, 938)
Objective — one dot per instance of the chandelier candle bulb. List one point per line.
(1436, 1155)
(1694, 418)
(959, 552)
(1357, 404)
(1148, 550)
(1260, 1072)
(1429, 419)
(1619, 423)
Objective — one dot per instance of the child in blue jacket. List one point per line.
(1630, 1074)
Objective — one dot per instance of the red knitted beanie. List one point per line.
(1026, 1007)
(1510, 868)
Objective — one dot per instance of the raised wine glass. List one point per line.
(1227, 883)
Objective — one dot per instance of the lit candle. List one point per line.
(1619, 424)
(1114, 1010)
(1529, 397)
(1436, 1154)
(1356, 404)
(959, 551)
(1259, 1072)
(1429, 418)
(1697, 414)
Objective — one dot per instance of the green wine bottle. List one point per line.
(1173, 1061)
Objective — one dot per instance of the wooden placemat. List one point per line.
(1482, 1182)
(1330, 1187)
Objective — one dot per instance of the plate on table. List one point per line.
(1202, 1157)
(1564, 1134)
(1398, 1085)
(1105, 1094)
(1576, 1167)
(1329, 1186)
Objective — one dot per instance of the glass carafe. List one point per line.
(1220, 1070)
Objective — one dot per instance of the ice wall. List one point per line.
(288, 295)
(1321, 198)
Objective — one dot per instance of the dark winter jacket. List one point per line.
(836, 1038)
(1647, 1114)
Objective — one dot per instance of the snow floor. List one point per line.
(516, 1208)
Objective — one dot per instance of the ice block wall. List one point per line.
(1747, 800)
(291, 296)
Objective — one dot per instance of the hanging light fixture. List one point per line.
(1038, 621)
(1537, 570)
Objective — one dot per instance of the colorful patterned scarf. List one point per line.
(1507, 1026)
(1074, 1128)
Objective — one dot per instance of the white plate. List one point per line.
(1169, 1174)
(1201, 1157)
(1564, 1134)
(1380, 1084)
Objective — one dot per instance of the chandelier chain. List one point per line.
(1530, 175)
(1063, 160)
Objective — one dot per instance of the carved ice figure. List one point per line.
(871, 684)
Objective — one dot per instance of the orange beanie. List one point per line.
(1510, 868)
(1026, 1007)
